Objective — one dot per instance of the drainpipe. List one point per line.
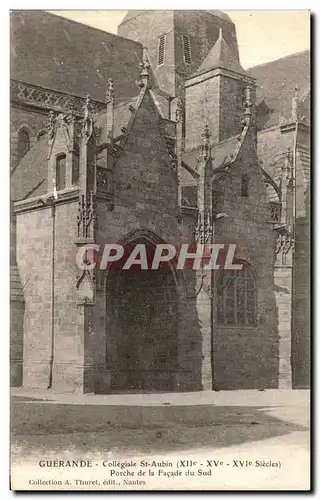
(213, 306)
(294, 184)
(53, 215)
(50, 202)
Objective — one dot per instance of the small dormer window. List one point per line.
(61, 172)
(186, 49)
(161, 49)
(245, 186)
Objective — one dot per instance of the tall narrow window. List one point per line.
(186, 49)
(61, 172)
(23, 143)
(245, 186)
(161, 49)
(237, 298)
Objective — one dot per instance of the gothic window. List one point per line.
(245, 186)
(61, 172)
(186, 49)
(161, 49)
(23, 143)
(237, 298)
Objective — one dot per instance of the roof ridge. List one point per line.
(87, 26)
(280, 59)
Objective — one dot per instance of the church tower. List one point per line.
(194, 55)
(215, 94)
(177, 41)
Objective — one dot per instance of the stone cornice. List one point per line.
(193, 80)
(287, 125)
(39, 98)
(46, 201)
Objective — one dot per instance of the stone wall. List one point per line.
(45, 245)
(245, 356)
(302, 267)
(146, 207)
(202, 107)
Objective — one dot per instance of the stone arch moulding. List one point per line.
(26, 127)
(150, 237)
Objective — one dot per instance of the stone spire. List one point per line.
(110, 110)
(220, 56)
(87, 125)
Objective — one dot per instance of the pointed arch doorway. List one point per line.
(142, 324)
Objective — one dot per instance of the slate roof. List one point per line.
(30, 176)
(220, 56)
(188, 176)
(219, 152)
(59, 54)
(122, 115)
(275, 86)
(131, 14)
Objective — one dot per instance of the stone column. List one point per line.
(283, 295)
(204, 308)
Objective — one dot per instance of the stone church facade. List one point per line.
(156, 135)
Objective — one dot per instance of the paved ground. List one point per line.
(269, 426)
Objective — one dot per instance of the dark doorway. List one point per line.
(141, 329)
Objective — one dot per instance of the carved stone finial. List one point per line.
(203, 228)
(295, 103)
(144, 73)
(247, 103)
(87, 127)
(288, 165)
(51, 124)
(206, 143)
(179, 110)
(71, 115)
(110, 91)
(289, 154)
(87, 107)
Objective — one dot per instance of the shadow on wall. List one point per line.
(153, 339)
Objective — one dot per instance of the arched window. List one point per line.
(61, 172)
(237, 297)
(23, 143)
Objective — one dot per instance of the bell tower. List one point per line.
(177, 41)
(216, 93)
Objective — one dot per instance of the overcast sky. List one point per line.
(263, 35)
